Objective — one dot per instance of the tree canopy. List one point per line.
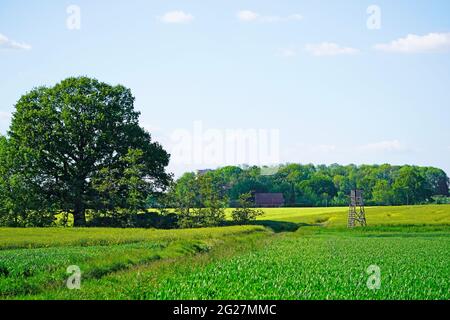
(70, 138)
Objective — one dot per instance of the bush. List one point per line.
(143, 220)
(154, 220)
(27, 218)
(441, 199)
(245, 213)
(202, 218)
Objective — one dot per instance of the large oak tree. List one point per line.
(72, 131)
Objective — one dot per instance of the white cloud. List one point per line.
(287, 52)
(177, 17)
(251, 16)
(432, 42)
(329, 49)
(247, 15)
(6, 43)
(385, 146)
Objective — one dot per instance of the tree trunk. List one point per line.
(79, 214)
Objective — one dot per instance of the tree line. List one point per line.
(309, 185)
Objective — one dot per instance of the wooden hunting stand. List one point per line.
(356, 212)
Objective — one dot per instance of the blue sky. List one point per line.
(337, 91)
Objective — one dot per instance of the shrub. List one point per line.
(142, 220)
(245, 213)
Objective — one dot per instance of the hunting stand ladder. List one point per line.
(356, 212)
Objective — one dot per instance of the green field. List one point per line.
(290, 254)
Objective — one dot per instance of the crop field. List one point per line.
(289, 253)
(376, 216)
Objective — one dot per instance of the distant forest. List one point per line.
(310, 185)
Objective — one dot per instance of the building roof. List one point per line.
(269, 199)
